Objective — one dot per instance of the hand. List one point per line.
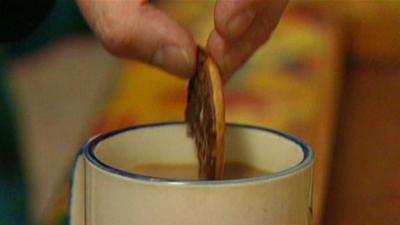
(241, 27)
(136, 29)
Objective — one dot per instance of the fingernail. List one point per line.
(174, 59)
(158, 58)
(240, 23)
(187, 58)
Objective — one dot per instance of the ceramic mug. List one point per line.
(104, 193)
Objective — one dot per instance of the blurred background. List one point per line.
(329, 75)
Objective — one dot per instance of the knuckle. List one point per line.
(114, 40)
(118, 37)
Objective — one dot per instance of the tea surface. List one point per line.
(233, 170)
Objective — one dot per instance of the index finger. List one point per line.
(136, 29)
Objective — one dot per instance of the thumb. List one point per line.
(138, 30)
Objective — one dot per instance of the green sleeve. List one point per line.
(63, 19)
(13, 194)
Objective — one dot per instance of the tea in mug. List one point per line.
(233, 170)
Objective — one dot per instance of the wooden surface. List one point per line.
(364, 186)
(365, 183)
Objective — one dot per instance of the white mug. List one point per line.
(104, 193)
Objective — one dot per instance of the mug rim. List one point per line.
(88, 150)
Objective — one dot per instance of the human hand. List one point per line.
(241, 27)
(138, 30)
